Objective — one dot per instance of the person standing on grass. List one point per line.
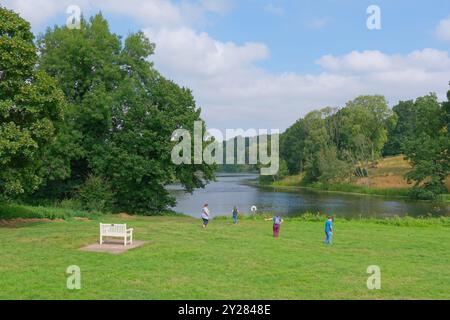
(329, 230)
(205, 215)
(235, 215)
(277, 221)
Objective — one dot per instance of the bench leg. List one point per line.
(131, 238)
(125, 241)
(101, 240)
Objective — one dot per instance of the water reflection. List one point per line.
(230, 190)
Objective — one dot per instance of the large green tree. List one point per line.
(428, 149)
(31, 107)
(327, 143)
(292, 145)
(121, 118)
(316, 141)
(364, 126)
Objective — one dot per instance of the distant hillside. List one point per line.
(387, 173)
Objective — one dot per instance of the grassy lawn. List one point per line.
(14, 211)
(228, 261)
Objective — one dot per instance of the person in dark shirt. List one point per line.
(235, 215)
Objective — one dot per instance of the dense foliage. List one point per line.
(327, 144)
(120, 119)
(336, 145)
(31, 107)
(85, 118)
(428, 149)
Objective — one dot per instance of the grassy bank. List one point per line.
(387, 178)
(350, 188)
(56, 212)
(445, 198)
(226, 261)
(15, 211)
(342, 187)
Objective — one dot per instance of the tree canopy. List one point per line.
(428, 149)
(334, 145)
(120, 118)
(325, 142)
(31, 108)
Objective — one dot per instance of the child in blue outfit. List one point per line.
(329, 230)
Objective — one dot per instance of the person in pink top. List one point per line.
(277, 221)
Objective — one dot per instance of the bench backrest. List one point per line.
(113, 229)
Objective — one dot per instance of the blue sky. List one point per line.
(263, 64)
(295, 43)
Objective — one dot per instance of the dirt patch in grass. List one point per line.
(384, 182)
(114, 247)
(125, 215)
(18, 222)
(81, 219)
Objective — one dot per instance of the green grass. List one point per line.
(226, 261)
(445, 198)
(14, 211)
(294, 183)
(391, 169)
(350, 188)
(289, 181)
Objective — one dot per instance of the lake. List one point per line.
(236, 189)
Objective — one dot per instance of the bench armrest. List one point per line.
(131, 229)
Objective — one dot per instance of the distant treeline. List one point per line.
(235, 144)
(337, 144)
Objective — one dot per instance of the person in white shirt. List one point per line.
(205, 215)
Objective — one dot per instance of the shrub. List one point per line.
(430, 191)
(73, 204)
(96, 194)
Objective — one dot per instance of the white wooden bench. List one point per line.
(116, 231)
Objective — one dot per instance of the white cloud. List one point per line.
(229, 85)
(186, 52)
(443, 29)
(376, 61)
(234, 92)
(148, 12)
(37, 12)
(165, 13)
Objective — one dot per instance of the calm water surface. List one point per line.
(230, 190)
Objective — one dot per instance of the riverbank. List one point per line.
(387, 178)
(291, 183)
(241, 261)
(342, 188)
(56, 212)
